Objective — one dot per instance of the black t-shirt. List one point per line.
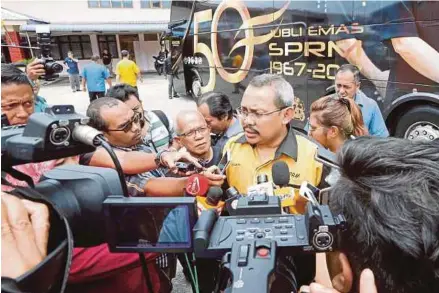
(106, 58)
(408, 19)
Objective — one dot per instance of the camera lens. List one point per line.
(59, 136)
(53, 67)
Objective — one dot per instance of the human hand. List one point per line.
(170, 158)
(213, 175)
(25, 234)
(35, 69)
(367, 285)
(84, 89)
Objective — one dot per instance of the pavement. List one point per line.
(154, 95)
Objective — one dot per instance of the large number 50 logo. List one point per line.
(249, 41)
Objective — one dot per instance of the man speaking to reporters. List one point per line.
(267, 107)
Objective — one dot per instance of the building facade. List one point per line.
(87, 28)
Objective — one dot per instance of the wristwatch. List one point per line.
(158, 158)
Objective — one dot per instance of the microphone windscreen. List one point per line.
(280, 173)
(197, 185)
(214, 195)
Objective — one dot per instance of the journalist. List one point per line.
(17, 95)
(267, 108)
(347, 85)
(25, 235)
(333, 120)
(34, 70)
(93, 269)
(193, 134)
(389, 193)
(158, 130)
(122, 128)
(218, 112)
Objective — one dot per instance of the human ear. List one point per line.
(333, 132)
(288, 115)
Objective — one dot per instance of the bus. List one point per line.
(220, 45)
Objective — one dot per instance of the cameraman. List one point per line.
(93, 269)
(18, 100)
(389, 193)
(122, 128)
(25, 234)
(158, 131)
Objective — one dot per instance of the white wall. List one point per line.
(77, 11)
(144, 52)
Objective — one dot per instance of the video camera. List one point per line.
(98, 211)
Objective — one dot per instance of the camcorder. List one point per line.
(92, 201)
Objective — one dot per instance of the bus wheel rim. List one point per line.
(422, 130)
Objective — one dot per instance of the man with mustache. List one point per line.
(267, 107)
(347, 85)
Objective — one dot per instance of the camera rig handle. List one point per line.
(251, 263)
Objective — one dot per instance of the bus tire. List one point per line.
(420, 122)
(196, 88)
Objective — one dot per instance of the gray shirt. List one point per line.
(234, 129)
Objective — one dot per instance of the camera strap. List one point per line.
(17, 175)
(51, 274)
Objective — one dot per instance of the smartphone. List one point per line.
(185, 167)
(224, 162)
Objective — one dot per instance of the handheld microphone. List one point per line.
(232, 197)
(281, 174)
(211, 200)
(197, 185)
(214, 195)
(281, 178)
(263, 187)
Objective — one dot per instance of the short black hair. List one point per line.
(13, 75)
(389, 193)
(351, 68)
(124, 53)
(122, 92)
(94, 112)
(218, 103)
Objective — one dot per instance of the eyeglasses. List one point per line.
(137, 118)
(243, 113)
(193, 132)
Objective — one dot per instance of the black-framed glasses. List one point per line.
(243, 113)
(193, 132)
(137, 118)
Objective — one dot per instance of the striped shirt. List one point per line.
(158, 137)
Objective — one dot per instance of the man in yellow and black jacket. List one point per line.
(267, 108)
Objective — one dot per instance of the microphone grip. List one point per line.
(202, 229)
